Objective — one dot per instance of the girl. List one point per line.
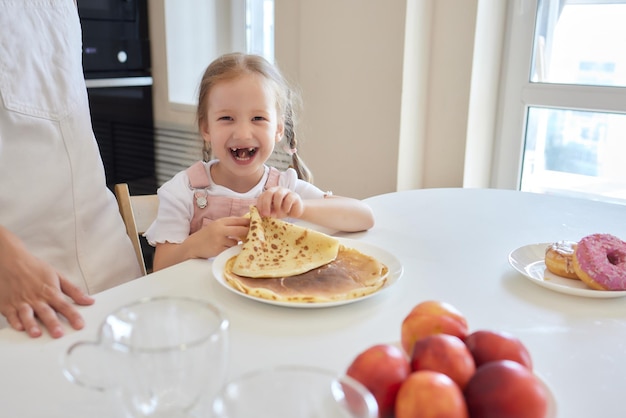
(244, 110)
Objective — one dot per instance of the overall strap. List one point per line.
(198, 178)
(199, 183)
(272, 178)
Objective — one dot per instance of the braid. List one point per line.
(290, 137)
(303, 171)
(207, 152)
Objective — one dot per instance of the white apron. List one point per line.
(52, 185)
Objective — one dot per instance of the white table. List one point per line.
(454, 246)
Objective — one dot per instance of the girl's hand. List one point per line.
(207, 242)
(279, 202)
(219, 235)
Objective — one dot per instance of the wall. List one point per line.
(452, 61)
(399, 94)
(452, 45)
(346, 56)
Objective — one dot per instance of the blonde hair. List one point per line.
(231, 66)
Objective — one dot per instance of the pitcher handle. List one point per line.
(83, 365)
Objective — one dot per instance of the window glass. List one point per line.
(580, 42)
(577, 153)
(260, 28)
(198, 31)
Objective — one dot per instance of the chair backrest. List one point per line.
(138, 212)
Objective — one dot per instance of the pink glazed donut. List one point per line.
(600, 262)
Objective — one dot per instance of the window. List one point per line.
(565, 99)
(198, 31)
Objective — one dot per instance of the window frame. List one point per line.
(518, 94)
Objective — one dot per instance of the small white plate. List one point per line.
(530, 261)
(388, 259)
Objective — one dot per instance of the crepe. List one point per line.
(350, 275)
(275, 248)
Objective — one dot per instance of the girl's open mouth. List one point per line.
(243, 153)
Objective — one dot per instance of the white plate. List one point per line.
(530, 261)
(388, 259)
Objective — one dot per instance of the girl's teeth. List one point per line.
(243, 152)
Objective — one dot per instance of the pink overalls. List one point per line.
(209, 208)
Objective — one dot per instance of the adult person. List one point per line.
(61, 236)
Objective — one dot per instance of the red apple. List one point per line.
(429, 394)
(381, 368)
(505, 389)
(487, 346)
(436, 307)
(429, 318)
(446, 354)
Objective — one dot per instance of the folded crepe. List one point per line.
(275, 248)
(284, 262)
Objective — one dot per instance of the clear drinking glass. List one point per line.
(157, 356)
(294, 392)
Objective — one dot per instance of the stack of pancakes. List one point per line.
(284, 262)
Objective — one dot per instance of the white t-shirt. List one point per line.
(176, 201)
(53, 194)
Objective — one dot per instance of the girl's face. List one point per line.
(242, 126)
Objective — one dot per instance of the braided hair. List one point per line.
(292, 146)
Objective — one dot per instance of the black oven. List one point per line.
(122, 119)
(115, 37)
(108, 10)
(117, 68)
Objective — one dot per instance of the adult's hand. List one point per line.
(32, 290)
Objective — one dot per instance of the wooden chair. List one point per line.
(138, 212)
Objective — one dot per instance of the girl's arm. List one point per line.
(339, 213)
(335, 212)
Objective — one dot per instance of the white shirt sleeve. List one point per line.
(175, 212)
(289, 180)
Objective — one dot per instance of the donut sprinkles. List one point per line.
(600, 262)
